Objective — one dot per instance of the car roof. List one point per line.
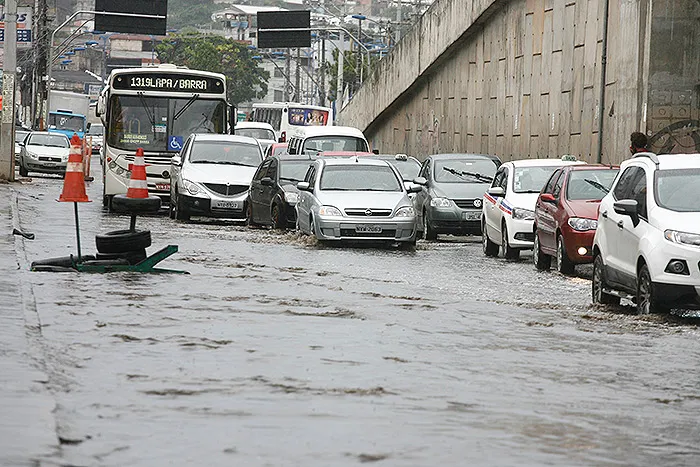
(392, 157)
(671, 161)
(227, 138)
(53, 133)
(264, 125)
(460, 156)
(592, 167)
(310, 131)
(294, 158)
(543, 162)
(353, 160)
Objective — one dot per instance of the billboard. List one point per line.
(131, 24)
(24, 26)
(284, 20)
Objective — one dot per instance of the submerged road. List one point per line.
(276, 351)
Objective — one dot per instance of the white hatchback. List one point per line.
(647, 244)
(508, 209)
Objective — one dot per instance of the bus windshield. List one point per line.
(148, 122)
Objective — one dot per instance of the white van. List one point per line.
(314, 140)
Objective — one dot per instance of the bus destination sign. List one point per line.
(168, 83)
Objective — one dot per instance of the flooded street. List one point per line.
(276, 351)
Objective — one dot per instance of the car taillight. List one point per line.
(283, 137)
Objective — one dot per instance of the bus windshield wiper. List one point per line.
(186, 106)
(150, 116)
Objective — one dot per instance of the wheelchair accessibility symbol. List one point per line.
(175, 143)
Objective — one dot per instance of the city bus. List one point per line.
(156, 108)
(285, 117)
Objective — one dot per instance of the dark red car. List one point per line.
(566, 215)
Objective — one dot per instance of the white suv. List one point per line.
(647, 244)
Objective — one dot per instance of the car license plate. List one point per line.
(362, 228)
(163, 186)
(226, 204)
(472, 216)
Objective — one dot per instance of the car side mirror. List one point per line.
(547, 198)
(266, 181)
(375, 151)
(176, 160)
(628, 207)
(413, 188)
(496, 191)
(20, 143)
(303, 186)
(422, 181)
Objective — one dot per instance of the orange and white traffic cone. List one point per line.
(138, 185)
(74, 182)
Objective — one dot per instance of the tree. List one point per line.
(245, 80)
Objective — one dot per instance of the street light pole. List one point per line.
(7, 128)
(359, 62)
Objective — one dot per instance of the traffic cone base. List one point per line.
(74, 181)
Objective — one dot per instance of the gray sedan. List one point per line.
(453, 187)
(356, 199)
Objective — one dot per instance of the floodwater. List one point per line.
(274, 351)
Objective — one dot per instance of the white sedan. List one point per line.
(508, 210)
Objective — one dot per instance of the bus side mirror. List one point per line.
(88, 126)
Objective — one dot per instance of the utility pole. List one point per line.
(297, 77)
(341, 70)
(42, 48)
(287, 71)
(322, 88)
(7, 124)
(398, 23)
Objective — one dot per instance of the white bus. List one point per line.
(156, 109)
(285, 117)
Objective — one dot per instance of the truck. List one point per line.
(68, 113)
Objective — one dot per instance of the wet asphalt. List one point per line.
(276, 351)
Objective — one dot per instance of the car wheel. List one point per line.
(181, 213)
(249, 215)
(564, 264)
(428, 232)
(542, 261)
(508, 251)
(647, 296)
(23, 171)
(598, 284)
(312, 227)
(490, 248)
(120, 241)
(279, 220)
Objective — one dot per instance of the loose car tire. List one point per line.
(133, 257)
(564, 264)
(428, 232)
(647, 296)
(542, 261)
(508, 251)
(120, 203)
(490, 248)
(598, 284)
(120, 241)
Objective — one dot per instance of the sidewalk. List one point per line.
(27, 424)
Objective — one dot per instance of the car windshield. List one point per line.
(54, 141)
(225, 153)
(408, 169)
(334, 143)
(678, 189)
(464, 170)
(66, 122)
(590, 184)
(96, 129)
(359, 178)
(293, 171)
(257, 133)
(532, 179)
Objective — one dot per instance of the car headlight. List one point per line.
(64, 158)
(685, 238)
(329, 211)
(406, 211)
(440, 203)
(191, 187)
(32, 155)
(581, 224)
(524, 214)
(291, 198)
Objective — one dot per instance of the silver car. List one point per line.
(356, 198)
(44, 152)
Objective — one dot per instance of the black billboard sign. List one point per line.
(284, 20)
(131, 24)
